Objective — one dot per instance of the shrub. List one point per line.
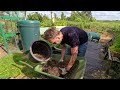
(116, 46)
(46, 23)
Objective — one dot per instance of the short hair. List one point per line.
(50, 33)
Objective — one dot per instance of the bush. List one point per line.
(78, 24)
(93, 19)
(116, 46)
(61, 23)
(46, 23)
(111, 27)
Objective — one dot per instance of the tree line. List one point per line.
(76, 18)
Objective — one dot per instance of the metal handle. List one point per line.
(26, 64)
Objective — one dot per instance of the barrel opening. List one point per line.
(41, 50)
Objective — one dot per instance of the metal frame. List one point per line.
(7, 35)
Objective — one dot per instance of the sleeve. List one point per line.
(74, 39)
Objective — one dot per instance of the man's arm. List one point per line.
(63, 51)
(74, 52)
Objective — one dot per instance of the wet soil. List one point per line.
(67, 76)
(52, 67)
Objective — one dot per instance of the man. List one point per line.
(74, 37)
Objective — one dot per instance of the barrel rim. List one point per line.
(28, 22)
(36, 57)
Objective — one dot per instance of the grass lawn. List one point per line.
(10, 67)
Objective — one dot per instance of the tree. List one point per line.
(56, 18)
(35, 16)
(63, 17)
(72, 17)
(45, 17)
(88, 14)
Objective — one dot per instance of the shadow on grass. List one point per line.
(26, 70)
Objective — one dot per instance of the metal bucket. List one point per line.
(42, 48)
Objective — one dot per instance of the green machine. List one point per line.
(8, 29)
(93, 36)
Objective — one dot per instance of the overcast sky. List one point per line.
(99, 15)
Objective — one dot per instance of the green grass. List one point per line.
(116, 45)
(11, 67)
(1, 39)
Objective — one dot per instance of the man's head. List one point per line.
(53, 36)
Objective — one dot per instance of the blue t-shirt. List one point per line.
(73, 36)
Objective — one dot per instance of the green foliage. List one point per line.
(11, 67)
(59, 46)
(45, 17)
(87, 15)
(116, 46)
(73, 16)
(80, 19)
(63, 17)
(35, 16)
(111, 27)
(84, 15)
(1, 39)
(46, 23)
(56, 18)
(61, 23)
(93, 19)
(78, 24)
(44, 20)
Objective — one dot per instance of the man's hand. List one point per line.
(68, 67)
(74, 52)
(64, 71)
